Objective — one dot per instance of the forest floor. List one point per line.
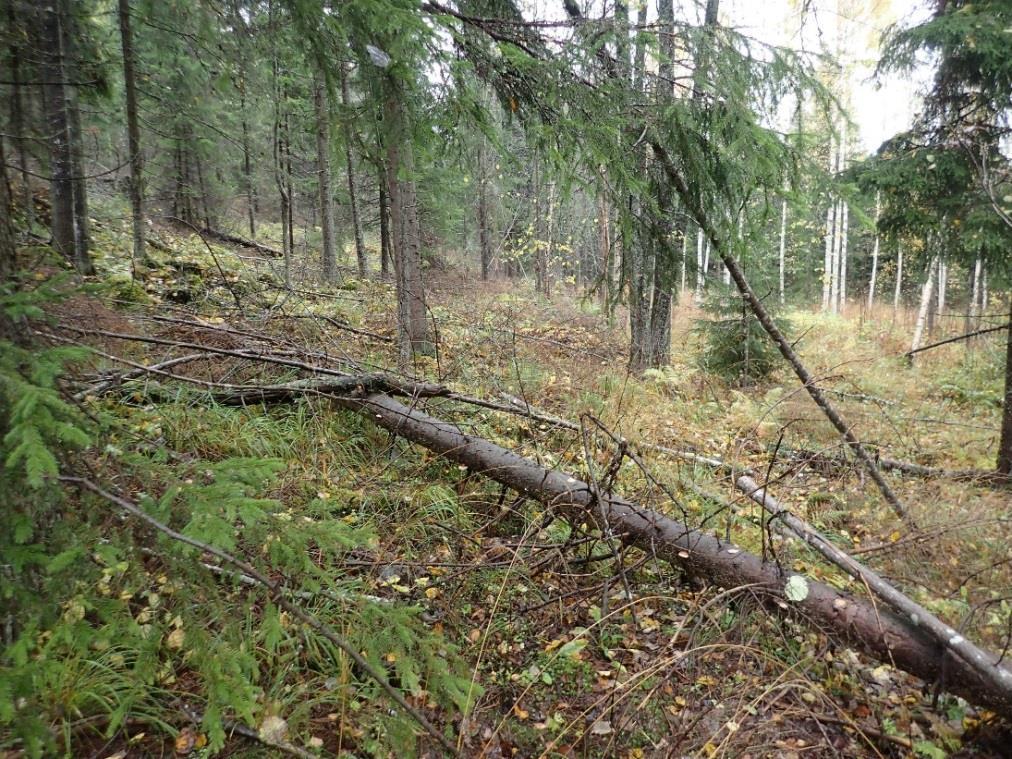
(563, 648)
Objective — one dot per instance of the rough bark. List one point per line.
(405, 233)
(321, 106)
(9, 328)
(78, 183)
(356, 223)
(17, 116)
(484, 222)
(133, 134)
(384, 221)
(61, 190)
(1004, 465)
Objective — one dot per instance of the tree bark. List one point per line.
(405, 234)
(842, 305)
(484, 223)
(10, 329)
(899, 283)
(17, 117)
(384, 221)
(61, 190)
(783, 246)
(78, 183)
(1004, 466)
(133, 135)
(328, 255)
(356, 223)
(922, 313)
(874, 252)
(827, 261)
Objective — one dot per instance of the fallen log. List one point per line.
(907, 643)
(836, 462)
(242, 242)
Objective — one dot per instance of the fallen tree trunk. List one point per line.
(242, 242)
(828, 461)
(905, 643)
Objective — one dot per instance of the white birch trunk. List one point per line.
(874, 252)
(827, 261)
(922, 312)
(943, 281)
(685, 256)
(974, 297)
(700, 275)
(834, 298)
(843, 259)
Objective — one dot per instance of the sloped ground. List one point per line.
(561, 647)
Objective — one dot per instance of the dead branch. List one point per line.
(957, 339)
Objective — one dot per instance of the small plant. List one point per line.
(735, 345)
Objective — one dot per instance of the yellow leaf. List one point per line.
(175, 638)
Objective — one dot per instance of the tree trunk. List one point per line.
(356, 223)
(842, 305)
(17, 119)
(922, 313)
(133, 135)
(1005, 443)
(972, 320)
(79, 185)
(943, 282)
(61, 191)
(406, 238)
(827, 261)
(604, 247)
(659, 345)
(10, 329)
(384, 222)
(899, 284)
(328, 256)
(783, 247)
(834, 305)
(484, 231)
(8, 252)
(289, 177)
(700, 265)
(874, 253)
